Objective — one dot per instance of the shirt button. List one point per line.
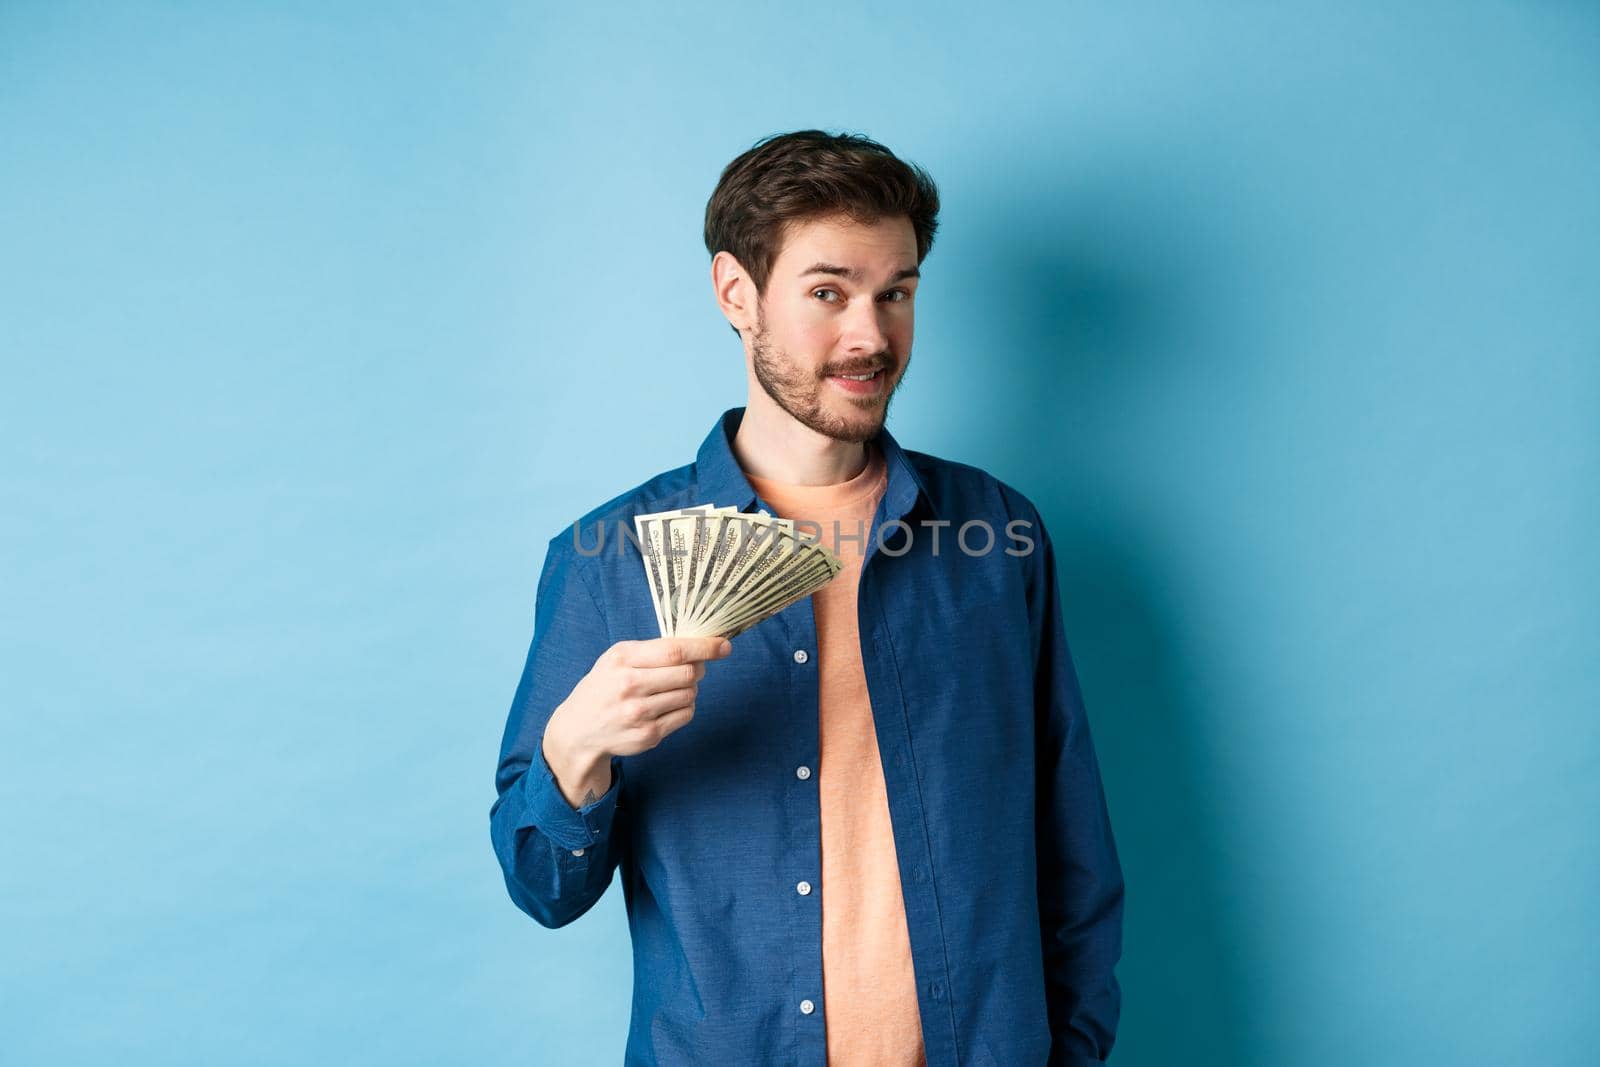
(937, 991)
(577, 852)
(806, 1007)
(802, 773)
(800, 655)
(804, 889)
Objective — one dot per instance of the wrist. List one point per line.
(578, 770)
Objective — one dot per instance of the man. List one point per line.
(871, 830)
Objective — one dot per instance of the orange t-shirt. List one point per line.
(869, 989)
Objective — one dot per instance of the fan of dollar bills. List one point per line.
(716, 572)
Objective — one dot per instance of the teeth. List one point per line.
(860, 377)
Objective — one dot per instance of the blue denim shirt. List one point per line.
(1013, 890)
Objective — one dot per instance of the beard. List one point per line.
(801, 393)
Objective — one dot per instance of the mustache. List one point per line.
(882, 364)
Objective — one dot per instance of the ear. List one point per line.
(735, 291)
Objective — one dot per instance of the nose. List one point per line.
(864, 332)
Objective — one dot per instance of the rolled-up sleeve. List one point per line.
(557, 860)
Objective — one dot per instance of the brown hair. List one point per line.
(793, 177)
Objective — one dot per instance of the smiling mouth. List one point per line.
(859, 384)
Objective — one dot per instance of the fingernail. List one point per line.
(725, 647)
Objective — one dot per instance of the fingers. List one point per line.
(657, 705)
(669, 722)
(642, 681)
(672, 651)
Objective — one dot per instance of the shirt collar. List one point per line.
(722, 481)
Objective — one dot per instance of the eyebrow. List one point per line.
(855, 275)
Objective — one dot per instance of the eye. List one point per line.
(814, 292)
(904, 296)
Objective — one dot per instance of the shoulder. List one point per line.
(673, 488)
(575, 541)
(964, 491)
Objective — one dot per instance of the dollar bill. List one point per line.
(719, 571)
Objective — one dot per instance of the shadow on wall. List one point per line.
(1083, 337)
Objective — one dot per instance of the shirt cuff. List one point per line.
(545, 808)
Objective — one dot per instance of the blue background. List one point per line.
(318, 320)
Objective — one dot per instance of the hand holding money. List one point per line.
(636, 694)
(719, 571)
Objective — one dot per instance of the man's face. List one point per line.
(838, 302)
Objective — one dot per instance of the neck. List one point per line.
(771, 444)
